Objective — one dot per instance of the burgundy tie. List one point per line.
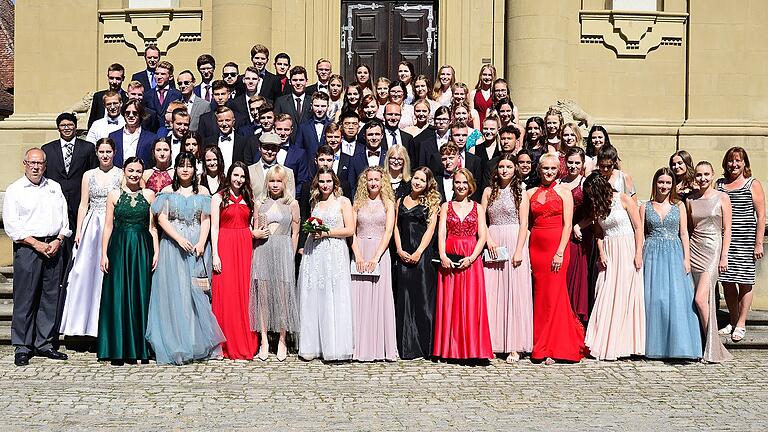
(208, 93)
(161, 95)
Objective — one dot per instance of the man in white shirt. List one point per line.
(350, 126)
(113, 121)
(35, 218)
(180, 120)
(232, 145)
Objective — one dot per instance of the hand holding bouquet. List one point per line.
(314, 226)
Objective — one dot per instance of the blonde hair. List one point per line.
(275, 172)
(430, 198)
(387, 195)
(400, 151)
(470, 180)
(315, 195)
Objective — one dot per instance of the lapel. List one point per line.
(57, 162)
(118, 159)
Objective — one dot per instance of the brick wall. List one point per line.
(6, 56)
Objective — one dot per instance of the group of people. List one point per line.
(383, 220)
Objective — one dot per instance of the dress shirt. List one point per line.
(64, 143)
(227, 148)
(336, 157)
(441, 140)
(322, 87)
(151, 78)
(102, 127)
(206, 87)
(348, 147)
(319, 126)
(190, 102)
(35, 210)
(391, 138)
(448, 187)
(130, 142)
(373, 159)
(175, 147)
(282, 154)
(303, 99)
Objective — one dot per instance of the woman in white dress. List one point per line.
(81, 308)
(325, 293)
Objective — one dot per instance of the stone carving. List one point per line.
(632, 34)
(573, 113)
(163, 28)
(81, 109)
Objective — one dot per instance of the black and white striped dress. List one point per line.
(741, 254)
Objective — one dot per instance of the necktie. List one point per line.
(298, 109)
(68, 150)
(207, 92)
(376, 153)
(394, 137)
(336, 157)
(111, 121)
(152, 82)
(458, 161)
(225, 138)
(161, 95)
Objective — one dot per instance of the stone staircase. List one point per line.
(756, 338)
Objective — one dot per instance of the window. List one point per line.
(144, 4)
(636, 5)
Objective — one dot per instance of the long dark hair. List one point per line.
(346, 106)
(200, 144)
(591, 151)
(598, 196)
(542, 141)
(245, 191)
(181, 159)
(220, 167)
(154, 145)
(514, 185)
(315, 193)
(673, 198)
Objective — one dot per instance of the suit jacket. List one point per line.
(258, 175)
(150, 121)
(252, 152)
(476, 166)
(270, 87)
(199, 91)
(360, 163)
(143, 149)
(287, 104)
(306, 136)
(97, 105)
(239, 145)
(297, 160)
(199, 107)
(152, 101)
(405, 139)
(311, 89)
(141, 76)
(424, 151)
(207, 126)
(240, 105)
(83, 159)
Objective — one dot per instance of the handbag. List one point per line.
(353, 270)
(202, 281)
(501, 255)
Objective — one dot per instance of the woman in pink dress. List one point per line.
(508, 282)
(231, 243)
(373, 304)
(461, 316)
(159, 176)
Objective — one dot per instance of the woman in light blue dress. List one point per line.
(672, 325)
(181, 326)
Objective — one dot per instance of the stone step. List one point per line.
(756, 338)
(6, 311)
(6, 290)
(5, 333)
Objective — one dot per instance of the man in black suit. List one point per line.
(115, 78)
(374, 153)
(252, 87)
(163, 94)
(475, 164)
(449, 164)
(508, 136)
(290, 154)
(311, 132)
(260, 58)
(297, 103)
(208, 126)
(392, 132)
(149, 120)
(229, 75)
(232, 145)
(206, 65)
(282, 66)
(323, 70)
(254, 126)
(425, 147)
(266, 124)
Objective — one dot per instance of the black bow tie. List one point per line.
(447, 175)
(322, 122)
(376, 153)
(269, 165)
(114, 122)
(284, 147)
(225, 138)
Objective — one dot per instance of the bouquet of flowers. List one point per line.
(314, 225)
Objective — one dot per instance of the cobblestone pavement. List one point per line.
(417, 395)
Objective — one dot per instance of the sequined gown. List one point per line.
(616, 326)
(706, 245)
(158, 180)
(325, 296)
(81, 308)
(672, 326)
(461, 318)
(557, 332)
(373, 305)
(508, 289)
(126, 286)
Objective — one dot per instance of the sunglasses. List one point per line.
(230, 74)
(185, 82)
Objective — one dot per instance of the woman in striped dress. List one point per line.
(748, 229)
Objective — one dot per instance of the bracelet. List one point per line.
(559, 255)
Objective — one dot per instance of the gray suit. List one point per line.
(258, 176)
(199, 107)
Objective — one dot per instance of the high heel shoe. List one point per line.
(282, 352)
(263, 353)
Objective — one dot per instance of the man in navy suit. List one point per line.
(115, 78)
(149, 121)
(297, 103)
(311, 132)
(253, 127)
(206, 65)
(163, 94)
(373, 154)
(291, 155)
(393, 135)
(260, 58)
(207, 125)
(147, 76)
(132, 139)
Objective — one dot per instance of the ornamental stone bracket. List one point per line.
(632, 34)
(140, 28)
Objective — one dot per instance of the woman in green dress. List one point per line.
(130, 252)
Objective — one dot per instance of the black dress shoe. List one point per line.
(52, 354)
(21, 359)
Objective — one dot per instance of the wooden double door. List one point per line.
(381, 34)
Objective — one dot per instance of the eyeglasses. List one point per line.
(229, 74)
(67, 126)
(34, 163)
(441, 120)
(397, 160)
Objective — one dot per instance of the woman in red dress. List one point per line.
(461, 317)
(482, 97)
(557, 332)
(231, 242)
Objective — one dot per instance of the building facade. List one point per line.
(660, 75)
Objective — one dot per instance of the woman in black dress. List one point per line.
(416, 278)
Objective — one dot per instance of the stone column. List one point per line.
(237, 26)
(537, 40)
